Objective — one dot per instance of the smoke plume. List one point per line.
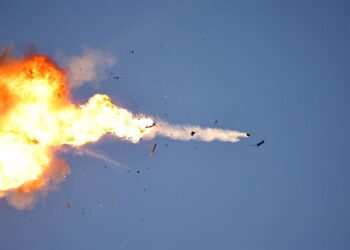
(89, 67)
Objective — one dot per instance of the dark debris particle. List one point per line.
(153, 149)
(138, 171)
(193, 133)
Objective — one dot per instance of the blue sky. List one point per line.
(278, 69)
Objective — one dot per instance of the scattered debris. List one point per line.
(69, 205)
(193, 133)
(138, 171)
(216, 121)
(153, 149)
(132, 52)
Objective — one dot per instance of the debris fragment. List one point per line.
(258, 144)
(151, 126)
(138, 171)
(193, 133)
(69, 205)
(153, 149)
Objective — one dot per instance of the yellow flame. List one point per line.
(37, 117)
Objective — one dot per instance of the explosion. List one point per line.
(38, 118)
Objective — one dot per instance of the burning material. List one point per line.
(38, 118)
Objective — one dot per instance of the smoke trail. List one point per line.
(194, 132)
(116, 165)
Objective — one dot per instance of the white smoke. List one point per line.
(113, 163)
(194, 132)
(90, 66)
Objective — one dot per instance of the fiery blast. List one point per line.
(38, 118)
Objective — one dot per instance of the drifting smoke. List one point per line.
(90, 66)
(6, 55)
(38, 120)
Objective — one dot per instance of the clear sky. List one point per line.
(278, 69)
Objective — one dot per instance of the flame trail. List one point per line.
(38, 118)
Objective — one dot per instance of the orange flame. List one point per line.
(38, 117)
